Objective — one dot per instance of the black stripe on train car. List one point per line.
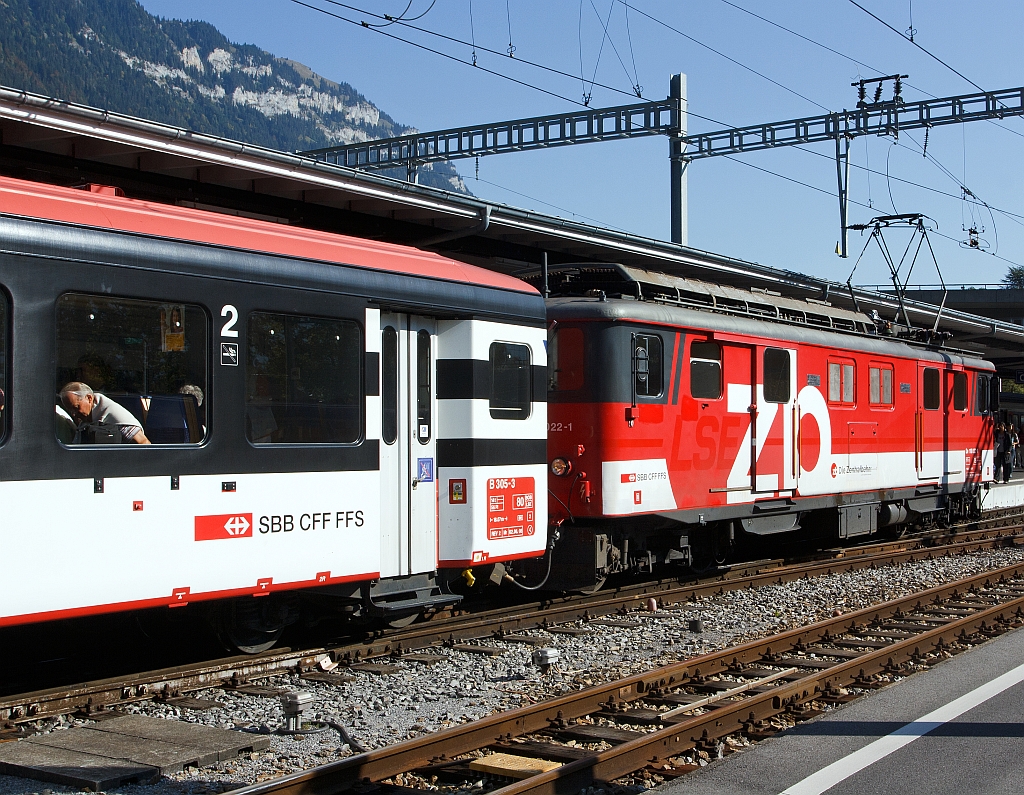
(491, 452)
(470, 379)
(371, 374)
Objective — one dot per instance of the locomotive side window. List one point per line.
(423, 386)
(880, 386)
(705, 370)
(303, 380)
(389, 385)
(511, 381)
(931, 388)
(565, 360)
(982, 387)
(776, 375)
(842, 383)
(648, 372)
(130, 371)
(959, 391)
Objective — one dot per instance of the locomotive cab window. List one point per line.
(841, 383)
(982, 387)
(705, 370)
(511, 381)
(303, 384)
(565, 360)
(648, 373)
(130, 371)
(959, 396)
(880, 386)
(931, 388)
(776, 375)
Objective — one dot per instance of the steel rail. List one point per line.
(384, 763)
(109, 693)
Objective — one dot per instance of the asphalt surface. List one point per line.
(979, 751)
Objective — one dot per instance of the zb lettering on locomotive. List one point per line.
(321, 520)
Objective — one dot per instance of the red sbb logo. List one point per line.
(228, 525)
(630, 478)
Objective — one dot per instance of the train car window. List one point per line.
(3, 366)
(776, 375)
(130, 371)
(880, 386)
(423, 386)
(565, 360)
(648, 372)
(303, 384)
(981, 384)
(389, 385)
(841, 383)
(931, 388)
(705, 370)
(960, 391)
(511, 381)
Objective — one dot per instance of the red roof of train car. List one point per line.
(102, 209)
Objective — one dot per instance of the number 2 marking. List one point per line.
(228, 329)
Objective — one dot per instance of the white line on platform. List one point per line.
(828, 777)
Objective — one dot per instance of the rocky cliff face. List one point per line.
(115, 55)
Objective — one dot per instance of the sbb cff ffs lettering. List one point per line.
(321, 520)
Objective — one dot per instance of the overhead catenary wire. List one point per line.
(721, 54)
(848, 57)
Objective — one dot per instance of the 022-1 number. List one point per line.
(559, 426)
(228, 329)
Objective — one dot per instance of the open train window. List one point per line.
(959, 391)
(776, 375)
(931, 388)
(511, 381)
(130, 371)
(3, 365)
(565, 359)
(648, 372)
(842, 383)
(705, 370)
(303, 384)
(982, 387)
(389, 385)
(880, 386)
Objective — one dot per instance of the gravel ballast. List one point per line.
(382, 709)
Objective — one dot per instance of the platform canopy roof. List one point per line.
(46, 139)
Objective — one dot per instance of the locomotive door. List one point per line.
(776, 464)
(739, 364)
(929, 421)
(407, 450)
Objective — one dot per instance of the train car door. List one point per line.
(408, 445)
(739, 435)
(928, 436)
(776, 464)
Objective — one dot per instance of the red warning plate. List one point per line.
(228, 525)
(510, 508)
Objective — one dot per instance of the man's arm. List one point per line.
(140, 438)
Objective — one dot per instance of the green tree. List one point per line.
(1014, 278)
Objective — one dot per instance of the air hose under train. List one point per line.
(555, 535)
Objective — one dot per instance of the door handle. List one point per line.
(415, 482)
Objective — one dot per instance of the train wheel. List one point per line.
(251, 626)
(401, 622)
(712, 549)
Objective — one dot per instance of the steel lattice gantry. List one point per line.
(668, 117)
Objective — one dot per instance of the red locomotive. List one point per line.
(684, 416)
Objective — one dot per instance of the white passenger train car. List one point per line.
(327, 417)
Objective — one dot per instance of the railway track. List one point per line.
(649, 721)
(169, 684)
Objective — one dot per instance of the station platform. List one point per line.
(956, 728)
(1004, 495)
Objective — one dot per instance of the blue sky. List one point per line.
(735, 209)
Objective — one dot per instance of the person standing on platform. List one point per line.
(1001, 442)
